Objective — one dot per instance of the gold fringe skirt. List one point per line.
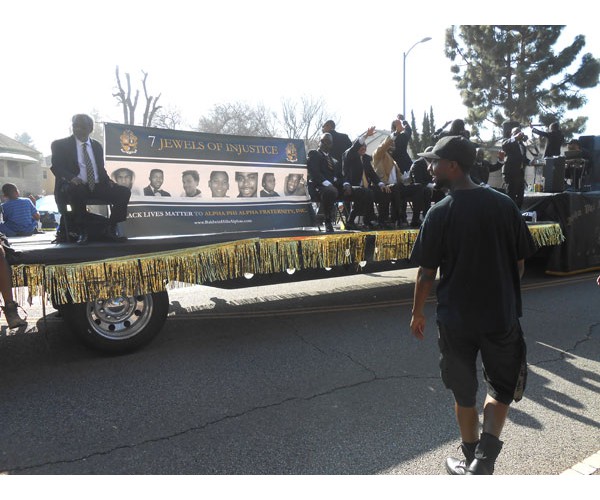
(149, 273)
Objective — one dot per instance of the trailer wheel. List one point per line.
(120, 324)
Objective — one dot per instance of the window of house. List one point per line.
(2, 169)
(14, 169)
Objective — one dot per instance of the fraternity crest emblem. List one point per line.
(129, 142)
(291, 152)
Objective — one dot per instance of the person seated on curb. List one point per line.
(10, 307)
(358, 176)
(389, 172)
(20, 215)
(78, 165)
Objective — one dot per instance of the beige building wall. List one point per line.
(23, 166)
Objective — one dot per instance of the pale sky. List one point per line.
(59, 57)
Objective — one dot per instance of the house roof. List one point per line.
(17, 157)
(8, 144)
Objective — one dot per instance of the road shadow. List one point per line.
(293, 389)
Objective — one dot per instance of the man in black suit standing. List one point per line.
(514, 165)
(401, 133)
(341, 142)
(78, 165)
(554, 139)
(324, 178)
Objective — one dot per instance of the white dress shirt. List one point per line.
(82, 168)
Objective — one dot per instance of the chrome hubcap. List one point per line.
(120, 317)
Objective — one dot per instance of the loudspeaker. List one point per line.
(586, 142)
(554, 174)
(591, 143)
(507, 127)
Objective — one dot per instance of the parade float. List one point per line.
(228, 211)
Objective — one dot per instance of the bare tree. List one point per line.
(168, 117)
(124, 98)
(300, 119)
(151, 107)
(303, 119)
(239, 118)
(98, 132)
(129, 104)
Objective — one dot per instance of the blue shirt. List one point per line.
(18, 215)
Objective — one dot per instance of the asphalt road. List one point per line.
(314, 378)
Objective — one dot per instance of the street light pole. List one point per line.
(426, 39)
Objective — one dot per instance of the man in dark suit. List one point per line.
(75, 160)
(402, 133)
(359, 175)
(514, 165)
(480, 171)
(554, 139)
(341, 142)
(156, 178)
(420, 176)
(324, 178)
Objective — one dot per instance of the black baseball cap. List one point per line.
(454, 148)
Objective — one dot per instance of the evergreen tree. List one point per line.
(419, 142)
(415, 143)
(25, 138)
(512, 72)
(428, 129)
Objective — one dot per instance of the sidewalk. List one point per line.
(588, 467)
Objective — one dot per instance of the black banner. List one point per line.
(194, 183)
(579, 217)
(186, 182)
(198, 218)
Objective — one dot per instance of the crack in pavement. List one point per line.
(211, 423)
(354, 361)
(563, 354)
(373, 378)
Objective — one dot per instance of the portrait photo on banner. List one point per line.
(209, 182)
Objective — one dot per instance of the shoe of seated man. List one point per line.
(12, 315)
(83, 238)
(112, 235)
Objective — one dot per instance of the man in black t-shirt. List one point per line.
(479, 241)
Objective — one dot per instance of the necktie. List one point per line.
(89, 168)
(329, 162)
(365, 181)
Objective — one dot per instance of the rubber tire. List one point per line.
(80, 318)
